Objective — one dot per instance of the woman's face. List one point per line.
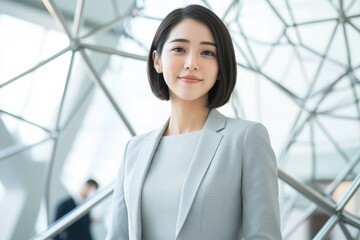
(188, 61)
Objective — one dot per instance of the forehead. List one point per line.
(192, 30)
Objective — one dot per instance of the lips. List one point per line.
(190, 79)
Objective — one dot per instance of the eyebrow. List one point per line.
(187, 41)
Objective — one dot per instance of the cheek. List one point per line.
(216, 72)
(213, 69)
(171, 63)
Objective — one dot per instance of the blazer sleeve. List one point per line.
(118, 228)
(261, 215)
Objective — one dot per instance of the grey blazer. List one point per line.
(230, 190)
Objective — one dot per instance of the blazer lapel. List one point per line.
(142, 165)
(208, 143)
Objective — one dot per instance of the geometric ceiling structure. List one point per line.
(298, 73)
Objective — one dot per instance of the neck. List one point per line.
(186, 117)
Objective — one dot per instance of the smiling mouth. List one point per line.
(190, 79)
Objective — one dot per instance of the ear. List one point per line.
(157, 61)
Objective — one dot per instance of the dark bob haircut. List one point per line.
(220, 93)
(92, 182)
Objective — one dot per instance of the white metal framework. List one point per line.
(312, 102)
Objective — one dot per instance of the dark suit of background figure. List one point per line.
(80, 230)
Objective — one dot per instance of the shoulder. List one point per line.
(245, 128)
(65, 205)
(140, 139)
(136, 143)
(238, 123)
(66, 201)
(254, 139)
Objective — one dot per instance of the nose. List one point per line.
(191, 62)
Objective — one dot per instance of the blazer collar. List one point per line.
(142, 165)
(203, 155)
(205, 150)
(215, 121)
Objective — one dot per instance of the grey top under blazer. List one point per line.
(230, 191)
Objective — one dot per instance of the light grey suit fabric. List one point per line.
(230, 191)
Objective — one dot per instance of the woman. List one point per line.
(201, 176)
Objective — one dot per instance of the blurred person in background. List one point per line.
(80, 230)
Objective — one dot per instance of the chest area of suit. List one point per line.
(221, 176)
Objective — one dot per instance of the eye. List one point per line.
(208, 53)
(178, 50)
